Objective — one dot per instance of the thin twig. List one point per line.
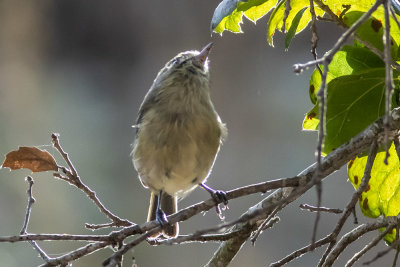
(263, 226)
(322, 97)
(383, 252)
(350, 206)
(369, 246)
(55, 237)
(317, 209)
(75, 254)
(205, 238)
(23, 231)
(31, 200)
(115, 259)
(75, 180)
(352, 236)
(302, 251)
(388, 75)
(355, 220)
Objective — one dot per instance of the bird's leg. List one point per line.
(161, 218)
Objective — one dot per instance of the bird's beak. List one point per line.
(204, 53)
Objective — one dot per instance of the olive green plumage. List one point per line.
(179, 133)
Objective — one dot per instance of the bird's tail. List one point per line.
(169, 204)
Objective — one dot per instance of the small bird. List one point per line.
(178, 136)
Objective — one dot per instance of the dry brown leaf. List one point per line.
(31, 158)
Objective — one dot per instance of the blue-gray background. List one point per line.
(82, 68)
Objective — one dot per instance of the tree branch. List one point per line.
(74, 179)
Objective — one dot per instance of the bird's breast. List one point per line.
(175, 151)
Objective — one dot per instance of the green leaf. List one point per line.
(276, 19)
(253, 10)
(354, 101)
(290, 34)
(382, 196)
(371, 31)
(349, 60)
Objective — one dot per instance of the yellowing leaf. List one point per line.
(30, 158)
(382, 196)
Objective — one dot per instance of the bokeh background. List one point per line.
(82, 68)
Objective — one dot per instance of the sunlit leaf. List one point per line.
(354, 101)
(382, 196)
(276, 19)
(228, 15)
(311, 120)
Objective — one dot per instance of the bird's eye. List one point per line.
(175, 61)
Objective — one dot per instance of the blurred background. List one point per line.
(82, 68)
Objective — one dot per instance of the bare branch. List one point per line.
(76, 254)
(115, 259)
(394, 245)
(74, 179)
(370, 245)
(322, 105)
(352, 236)
(23, 231)
(54, 237)
(302, 251)
(388, 74)
(350, 206)
(264, 224)
(317, 209)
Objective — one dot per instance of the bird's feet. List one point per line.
(219, 196)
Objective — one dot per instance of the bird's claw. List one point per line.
(220, 196)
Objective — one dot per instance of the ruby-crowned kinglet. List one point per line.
(178, 136)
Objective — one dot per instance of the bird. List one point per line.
(178, 136)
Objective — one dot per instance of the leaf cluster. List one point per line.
(356, 85)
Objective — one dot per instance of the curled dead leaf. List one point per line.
(31, 158)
